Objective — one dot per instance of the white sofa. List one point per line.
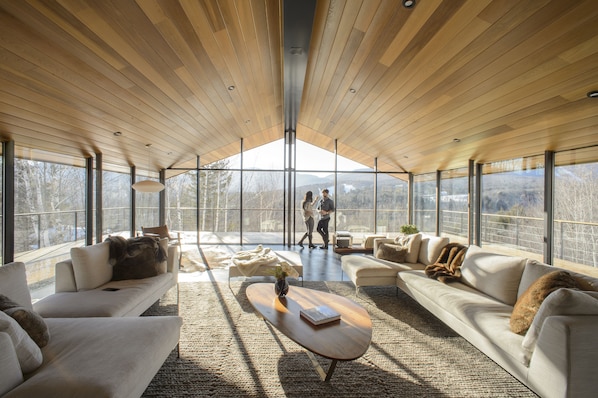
(84, 287)
(557, 357)
(85, 357)
(562, 361)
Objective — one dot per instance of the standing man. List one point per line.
(326, 207)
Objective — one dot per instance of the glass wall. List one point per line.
(49, 219)
(263, 207)
(147, 206)
(392, 203)
(454, 216)
(307, 181)
(576, 208)
(220, 204)
(513, 206)
(181, 204)
(354, 202)
(424, 202)
(116, 204)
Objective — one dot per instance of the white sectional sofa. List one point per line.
(369, 270)
(85, 357)
(557, 357)
(84, 287)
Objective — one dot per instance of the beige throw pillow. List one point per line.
(91, 266)
(412, 243)
(494, 274)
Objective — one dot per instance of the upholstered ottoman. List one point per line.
(293, 258)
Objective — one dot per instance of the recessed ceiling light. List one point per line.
(456, 140)
(117, 133)
(593, 94)
(352, 90)
(408, 3)
(231, 88)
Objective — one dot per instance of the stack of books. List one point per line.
(320, 314)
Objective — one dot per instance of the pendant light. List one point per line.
(148, 185)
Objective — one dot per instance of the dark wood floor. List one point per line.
(318, 264)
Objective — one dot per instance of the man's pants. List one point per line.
(323, 229)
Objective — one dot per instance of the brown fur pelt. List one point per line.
(447, 267)
(136, 258)
(529, 303)
(121, 248)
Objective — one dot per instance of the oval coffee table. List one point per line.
(343, 340)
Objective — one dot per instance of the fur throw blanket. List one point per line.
(447, 267)
(136, 258)
(249, 261)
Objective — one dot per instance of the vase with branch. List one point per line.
(281, 272)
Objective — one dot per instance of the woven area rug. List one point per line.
(227, 351)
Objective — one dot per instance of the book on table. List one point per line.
(320, 314)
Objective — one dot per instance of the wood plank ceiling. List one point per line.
(506, 78)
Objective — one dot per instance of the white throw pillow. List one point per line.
(13, 283)
(163, 266)
(10, 370)
(494, 274)
(430, 248)
(91, 266)
(533, 271)
(560, 302)
(412, 243)
(28, 353)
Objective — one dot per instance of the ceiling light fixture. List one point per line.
(352, 90)
(408, 3)
(117, 133)
(231, 88)
(148, 185)
(456, 140)
(593, 94)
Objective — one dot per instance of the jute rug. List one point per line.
(227, 351)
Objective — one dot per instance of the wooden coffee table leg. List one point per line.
(325, 376)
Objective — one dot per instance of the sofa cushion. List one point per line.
(528, 304)
(28, 353)
(91, 266)
(392, 252)
(29, 320)
(102, 357)
(494, 274)
(412, 243)
(560, 302)
(13, 283)
(430, 248)
(9, 365)
(115, 299)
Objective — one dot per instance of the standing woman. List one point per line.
(307, 204)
